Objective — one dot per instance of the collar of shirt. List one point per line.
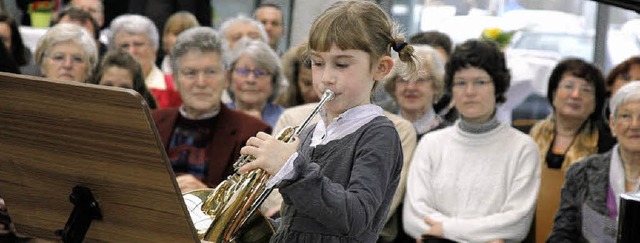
(343, 125)
(204, 116)
(427, 122)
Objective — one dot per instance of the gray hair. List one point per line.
(430, 64)
(201, 39)
(628, 92)
(241, 19)
(264, 57)
(67, 32)
(134, 24)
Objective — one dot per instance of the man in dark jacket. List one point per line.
(202, 137)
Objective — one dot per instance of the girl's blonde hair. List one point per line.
(360, 25)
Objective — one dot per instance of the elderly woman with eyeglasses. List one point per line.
(416, 97)
(66, 52)
(572, 132)
(591, 193)
(254, 74)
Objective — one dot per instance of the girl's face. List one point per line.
(250, 84)
(575, 98)
(305, 84)
(474, 94)
(117, 77)
(349, 74)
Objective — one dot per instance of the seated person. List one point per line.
(417, 97)
(66, 52)
(592, 189)
(254, 74)
(119, 69)
(202, 137)
(477, 180)
(298, 73)
(139, 36)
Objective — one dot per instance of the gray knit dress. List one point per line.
(343, 190)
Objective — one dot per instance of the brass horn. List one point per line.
(218, 214)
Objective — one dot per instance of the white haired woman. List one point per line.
(592, 187)
(66, 52)
(416, 97)
(138, 35)
(255, 73)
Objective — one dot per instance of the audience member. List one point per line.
(66, 52)
(416, 97)
(254, 74)
(139, 36)
(7, 64)
(270, 15)
(177, 23)
(12, 40)
(298, 72)
(203, 137)
(118, 68)
(621, 74)
(85, 20)
(576, 92)
(443, 44)
(436, 39)
(591, 193)
(93, 7)
(240, 27)
(475, 181)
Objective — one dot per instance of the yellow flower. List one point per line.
(492, 33)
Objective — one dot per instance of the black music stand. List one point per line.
(81, 162)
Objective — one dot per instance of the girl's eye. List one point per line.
(342, 65)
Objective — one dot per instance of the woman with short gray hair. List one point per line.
(416, 96)
(138, 35)
(242, 27)
(591, 192)
(255, 73)
(66, 52)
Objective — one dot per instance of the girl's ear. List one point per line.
(385, 64)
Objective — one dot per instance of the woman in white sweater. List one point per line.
(476, 181)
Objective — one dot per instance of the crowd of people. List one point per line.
(433, 163)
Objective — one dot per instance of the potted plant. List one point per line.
(503, 38)
(41, 12)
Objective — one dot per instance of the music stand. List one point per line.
(55, 136)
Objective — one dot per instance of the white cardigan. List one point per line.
(482, 187)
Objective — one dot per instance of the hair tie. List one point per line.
(398, 47)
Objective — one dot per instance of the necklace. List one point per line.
(633, 181)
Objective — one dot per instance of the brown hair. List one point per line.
(359, 25)
(620, 69)
(292, 62)
(122, 59)
(179, 22)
